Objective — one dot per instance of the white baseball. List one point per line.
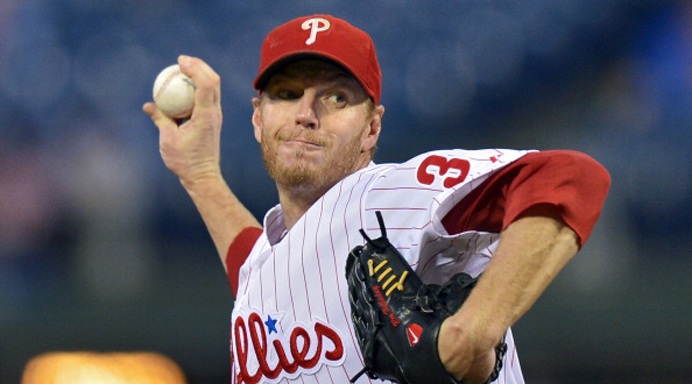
(174, 93)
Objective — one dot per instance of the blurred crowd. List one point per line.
(87, 207)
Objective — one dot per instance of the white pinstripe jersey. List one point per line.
(291, 317)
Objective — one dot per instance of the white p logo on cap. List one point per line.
(315, 25)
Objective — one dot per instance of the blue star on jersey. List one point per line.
(271, 324)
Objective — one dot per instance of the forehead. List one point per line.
(314, 71)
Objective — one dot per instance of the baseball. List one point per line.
(174, 93)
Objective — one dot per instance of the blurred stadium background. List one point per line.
(100, 248)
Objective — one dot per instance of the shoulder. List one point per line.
(416, 191)
(561, 156)
(571, 182)
(560, 165)
(444, 169)
(492, 155)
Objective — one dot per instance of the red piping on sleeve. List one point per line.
(238, 252)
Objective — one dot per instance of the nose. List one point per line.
(306, 115)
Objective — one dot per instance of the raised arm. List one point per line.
(192, 152)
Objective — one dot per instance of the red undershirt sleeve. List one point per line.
(571, 182)
(238, 252)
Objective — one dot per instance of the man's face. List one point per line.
(316, 125)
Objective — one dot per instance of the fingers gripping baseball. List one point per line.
(192, 149)
(207, 81)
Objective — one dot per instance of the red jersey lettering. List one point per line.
(300, 342)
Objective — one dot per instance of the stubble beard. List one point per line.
(305, 174)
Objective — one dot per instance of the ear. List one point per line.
(257, 119)
(374, 128)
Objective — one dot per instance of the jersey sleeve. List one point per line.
(571, 182)
(238, 252)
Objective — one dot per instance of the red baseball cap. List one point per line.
(322, 36)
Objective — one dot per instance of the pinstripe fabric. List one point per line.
(291, 319)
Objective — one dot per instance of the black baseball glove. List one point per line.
(397, 318)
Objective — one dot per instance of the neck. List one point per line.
(296, 200)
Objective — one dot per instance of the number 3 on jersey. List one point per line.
(453, 171)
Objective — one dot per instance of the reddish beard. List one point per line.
(303, 173)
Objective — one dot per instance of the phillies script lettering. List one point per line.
(289, 360)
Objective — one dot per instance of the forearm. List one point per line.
(531, 253)
(192, 152)
(223, 214)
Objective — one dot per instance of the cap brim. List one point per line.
(263, 78)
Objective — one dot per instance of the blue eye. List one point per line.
(336, 98)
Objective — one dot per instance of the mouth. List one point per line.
(304, 142)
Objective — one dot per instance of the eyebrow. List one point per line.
(344, 80)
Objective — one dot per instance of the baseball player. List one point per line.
(512, 217)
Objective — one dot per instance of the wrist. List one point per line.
(480, 333)
(205, 186)
(468, 354)
(459, 355)
(202, 180)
